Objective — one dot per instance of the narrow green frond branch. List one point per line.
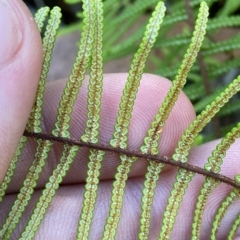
(96, 78)
(26, 191)
(234, 228)
(34, 125)
(135, 74)
(90, 57)
(48, 193)
(152, 176)
(120, 134)
(40, 17)
(213, 165)
(206, 115)
(119, 184)
(80, 66)
(233, 195)
(179, 187)
(12, 167)
(92, 125)
(34, 121)
(151, 141)
(182, 152)
(150, 144)
(208, 186)
(90, 194)
(62, 123)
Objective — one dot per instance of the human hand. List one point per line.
(18, 79)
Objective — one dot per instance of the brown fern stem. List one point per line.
(134, 153)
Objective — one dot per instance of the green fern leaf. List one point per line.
(123, 119)
(213, 165)
(150, 145)
(11, 169)
(92, 125)
(234, 228)
(181, 153)
(62, 124)
(34, 125)
(233, 195)
(40, 17)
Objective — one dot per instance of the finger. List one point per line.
(65, 208)
(151, 93)
(20, 65)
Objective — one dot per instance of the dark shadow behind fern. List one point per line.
(90, 55)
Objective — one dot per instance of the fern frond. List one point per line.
(227, 45)
(30, 182)
(62, 124)
(224, 67)
(233, 195)
(171, 72)
(74, 82)
(125, 45)
(178, 40)
(194, 91)
(231, 107)
(213, 165)
(90, 195)
(34, 121)
(48, 193)
(96, 79)
(182, 152)
(200, 105)
(215, 161)
(135, 8)
(150, 145)
(179, 16)
(229, 7)
(234, 228)
(207, 187)
(40, 17)
(92, 125)
(153, 171)
(12, 167)
(179, 187)
(121, 31)
(197, 125)
(151, 141)
(119, 139)
(195, 77)
(108, 5)
(91, 53)
(221, 22)
(34, 125)
(119, 184)
(134, 77)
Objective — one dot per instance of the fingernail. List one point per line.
(11, 32)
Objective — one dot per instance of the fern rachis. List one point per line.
(64, 209)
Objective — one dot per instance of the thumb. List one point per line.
(20, 66)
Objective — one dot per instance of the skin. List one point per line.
(19, 81)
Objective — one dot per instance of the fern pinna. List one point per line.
(90, 55)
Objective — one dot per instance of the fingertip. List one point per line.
(19, 75)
